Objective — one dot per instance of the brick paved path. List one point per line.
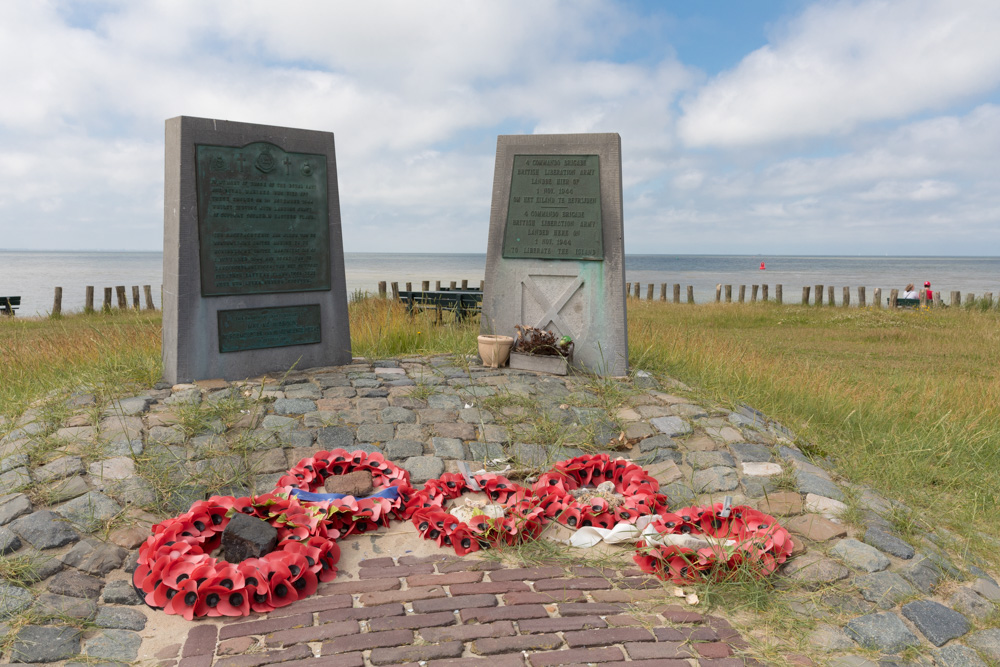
(441, 611)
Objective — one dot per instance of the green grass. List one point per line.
(905, 401)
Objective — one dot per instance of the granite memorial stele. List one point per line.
(555, 258)
(253, 259)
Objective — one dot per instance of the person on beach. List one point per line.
(927, 288)
(909, 293)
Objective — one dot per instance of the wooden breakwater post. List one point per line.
(763, 293)
(106, 307)
(677, 292)
(847, 297)
(877, 297)
(753, 293)
(861, 297)
(638, 288)
(819, 295)
(88, 299)
(923, 298)
(729, 293)
(482, 285)
(57, 302)
(690, 294)
(829, 296)
(381, 288)
(805, 295)
(663, 291)
(135, 297)
(956, 298)
(893, 298)
(743, 293)
(718, 293)
(465, 284)
(988, 299)
(425, 286)
(777, 294)
(148, 292)
(970, 299)
(649, 292)
(122, 299)
(395, 291)
(628, 290)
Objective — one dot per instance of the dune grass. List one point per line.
(907, 401)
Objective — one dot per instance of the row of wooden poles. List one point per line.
(106, 306)
(425, 286)
(726, 291)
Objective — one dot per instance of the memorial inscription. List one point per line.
(259, 328)
(555, 208)
(262, 215)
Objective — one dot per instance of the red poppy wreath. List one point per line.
(709, 544)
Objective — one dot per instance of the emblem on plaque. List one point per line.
(306, 168)
(265, 161)
(219, 163)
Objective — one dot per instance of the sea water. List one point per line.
(33, 275)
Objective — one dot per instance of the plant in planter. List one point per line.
(540, 350)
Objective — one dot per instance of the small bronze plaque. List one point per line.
(555, 208)
(257, 328)
(263, 223)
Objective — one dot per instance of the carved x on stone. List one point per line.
(552, 309)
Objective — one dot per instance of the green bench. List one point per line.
(461, 302)
(8, 304)
(904, 303)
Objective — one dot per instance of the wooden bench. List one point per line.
(8, 304)
(904, 303)
(461, 302)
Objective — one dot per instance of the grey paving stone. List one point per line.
(486, 451)
(746, 452)
(335, 437)
(278, 423)
(40, 643)
(757, 487)
(449, 448)
(830, 638)
(883, 632)
(475, 416)
(14, 480)
(889, 543)
(12, 506)
(121, 618)
(124, 447)
(304, 390)
(9, 542)
(813, 570)
(95, 557)
(116, 645)
(121, 592)
(90, 511)
(657, 442)
(423, 468)
(397, 450)
(923, 574)
(528, 454)
(970, 603)
(134, 490)
(130, 407)
(860, 555)
(75, 584)
(13, 600)
(44, 529)
(50, 604)
(392, 415)
(935, 621)
(885, 589)
(376, 432)
(987, 588)
(375, 392)
(957, 655)
(678, 494)
(851, 661)
(294, 406)
(13, 461)
(715, 479)
(987, 642)
(810, 483)
(702, 460)
(671, 426)
(445, 402)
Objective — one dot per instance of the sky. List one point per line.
(864, 127)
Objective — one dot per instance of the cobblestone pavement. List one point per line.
(73, 479)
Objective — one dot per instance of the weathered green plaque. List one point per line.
(257, 328)
(263, 225)
(555, 208)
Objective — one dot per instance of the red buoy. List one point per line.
(762, 266)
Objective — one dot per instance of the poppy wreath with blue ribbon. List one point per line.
(347, 514)
(176, 573)
(639, 491)
(743, 540)
(522, 521)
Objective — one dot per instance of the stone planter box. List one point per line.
(540, 363)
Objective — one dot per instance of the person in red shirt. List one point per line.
(927, 288)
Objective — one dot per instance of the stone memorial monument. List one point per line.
(556, 258)
(253, 259)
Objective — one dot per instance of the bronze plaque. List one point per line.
(263, 225)
(257, 328)
(555, 208)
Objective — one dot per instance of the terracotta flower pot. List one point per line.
(495, 349)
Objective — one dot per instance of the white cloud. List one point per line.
(842, 64)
